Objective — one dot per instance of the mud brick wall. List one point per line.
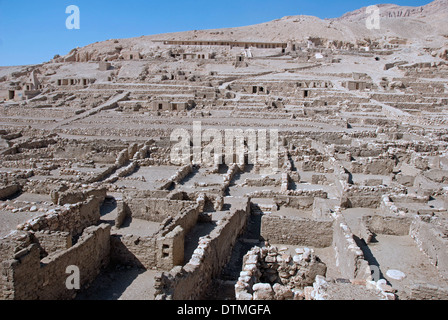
(156, 210)
(134, 251)
(187, 219)
(389, 225)
(433, 242)
(72, 218)
(373, 166)
(27, 277)
(9, 246)
(364, 197)
(300, 203)
(299, 232)
(51, 242)
(163, 250)
(72, 197)
(213, 252)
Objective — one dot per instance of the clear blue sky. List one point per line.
(32, 32)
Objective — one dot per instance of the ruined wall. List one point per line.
(363, 196)
(423, 291)
(389, 225)
(213, 252)
(75, 196)
(134, 250)
(271, 274)
(26, 277)
(177, 177)
(186, 219)
(163, 250)
(373, 166)
(432, 241)
(72, 218)
(298, 199)
(300, 203)
(299, 232)
(262, 182)
(156, 210)
(349, 257)
(171, 249)
(51, 242)
(103, 174)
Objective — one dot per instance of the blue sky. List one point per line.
(33, 32)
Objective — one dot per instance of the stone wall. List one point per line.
(299, 232)
(365, 197)
(373, 166)
(71, 218)
(123, 212)
(433, 241)
(272, 274)
(103, 174)
(51, 242)
(163, 250)
(156, 210)
(26, 277)
(300, 203)
(177, 177)
(186, 219)
(298, 199)
(262, 182)
(132, 250)
(211, 255)
(75, 196)
(423, 291)
(388, 225)
(349, 257)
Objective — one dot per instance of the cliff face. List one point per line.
(426, 12)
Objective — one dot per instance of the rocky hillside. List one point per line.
(424, 26)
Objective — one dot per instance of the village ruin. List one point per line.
(357, 207)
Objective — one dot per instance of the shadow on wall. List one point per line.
(192, 239)
(121, 255)
(368, 255)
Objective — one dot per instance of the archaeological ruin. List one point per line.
(356, 209)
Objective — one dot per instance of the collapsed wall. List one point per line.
(272, 274)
